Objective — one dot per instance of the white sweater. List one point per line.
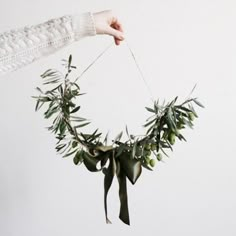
(23, 46)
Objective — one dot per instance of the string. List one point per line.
(134, 58)
(140, 71)
(91, 64)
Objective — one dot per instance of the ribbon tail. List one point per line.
(109, 174)
(124, 211)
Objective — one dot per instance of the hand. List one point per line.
(107, 23)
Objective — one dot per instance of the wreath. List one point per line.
(125, 159)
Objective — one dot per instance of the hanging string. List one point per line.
(134, 58)
(140, 71)
(103, 52)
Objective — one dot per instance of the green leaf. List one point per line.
(150, 122)
(77, 86)
(60, 146)
(188, 123)
(51, 93)
(156, 107)
(78, 158)
(170, 117)
(127, 132)
(169, 124)
(85, 136)
(118, 137)
(50, 112)
(78, 119)
(164, 151)
(94, 137)
(82, 125)
(150, 129)
(198, 103)
(75, 109)
(183, 108)
(150, 109)
(70, 153)
(39, 89)
(69, 61)
(106, 138)
(66, 148)
(169, 145)
(74, 144)
(60, 90)
(180, 136)
(48, 72)
(173, 102)
(38, 106)
(62, 127)
(192, 109)
(51, 81)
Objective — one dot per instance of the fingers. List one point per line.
(118, 27)
(115, 24)
(116, 33)
(107, 23)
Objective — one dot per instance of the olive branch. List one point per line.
(162, 128)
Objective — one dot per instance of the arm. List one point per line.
(23, 46)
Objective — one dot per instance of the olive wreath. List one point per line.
(123, 159)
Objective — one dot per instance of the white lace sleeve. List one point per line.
(23, 46)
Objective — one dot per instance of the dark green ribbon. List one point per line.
(124, 210)
(109, 175)
(122, 166)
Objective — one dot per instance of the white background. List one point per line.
(177, 44)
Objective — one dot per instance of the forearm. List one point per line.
(21, 47)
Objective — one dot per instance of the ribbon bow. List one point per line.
(122, 166)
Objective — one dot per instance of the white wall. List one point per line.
(177, 44)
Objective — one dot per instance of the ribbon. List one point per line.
(109, 175)
(122, 166)
(124, 210)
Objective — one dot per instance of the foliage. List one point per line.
(125, 158)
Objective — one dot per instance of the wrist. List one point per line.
(83, 25)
